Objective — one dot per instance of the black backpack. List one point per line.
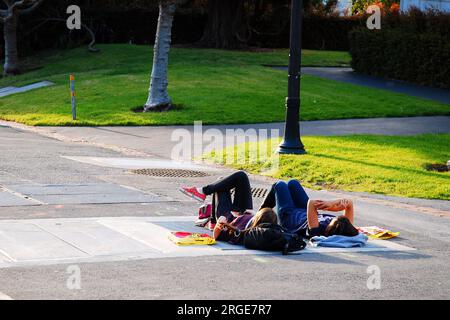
(272, 237)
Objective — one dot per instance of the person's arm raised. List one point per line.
(349, 211)
(338, 205)
(311, 213)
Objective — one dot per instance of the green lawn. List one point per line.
(377, 164)
(210, 85)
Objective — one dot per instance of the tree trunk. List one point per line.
(158, 98)
(224, 23)
(11, 65)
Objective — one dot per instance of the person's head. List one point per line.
(265, 215)
(341, 226)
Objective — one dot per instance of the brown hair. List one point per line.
(341, 226)
(264, 215)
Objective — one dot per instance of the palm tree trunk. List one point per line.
(158, 97)
(11, 65)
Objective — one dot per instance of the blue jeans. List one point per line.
(292, 202)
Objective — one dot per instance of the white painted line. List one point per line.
(5, 296)
(5, 257)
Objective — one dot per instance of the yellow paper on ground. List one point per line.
(378, 233)
(181, 238)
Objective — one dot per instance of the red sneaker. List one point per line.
(205, 211)
(193, 193)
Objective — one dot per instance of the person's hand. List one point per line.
(346, 203)
(331, 205)
(221, 222)
(321, 204)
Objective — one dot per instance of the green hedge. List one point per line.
(413, 47)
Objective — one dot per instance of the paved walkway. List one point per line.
(7, 91)
(349, 76)
(156, 141)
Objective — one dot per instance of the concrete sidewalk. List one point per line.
(156, 141)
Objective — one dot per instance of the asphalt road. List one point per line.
(29, 158)
(347, 75)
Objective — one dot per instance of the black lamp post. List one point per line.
(292, 143)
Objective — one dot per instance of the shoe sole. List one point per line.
(202, 222)
(191, 195)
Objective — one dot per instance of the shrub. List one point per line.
(360, 6)
(413, 47)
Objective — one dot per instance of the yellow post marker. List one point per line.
(72, 95)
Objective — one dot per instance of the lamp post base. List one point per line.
(290, 150)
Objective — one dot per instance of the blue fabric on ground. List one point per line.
(340, 241)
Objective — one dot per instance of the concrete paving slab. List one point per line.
(91, 237)
(154, 236)
(98, 198)
(24, 241)
(186, 224)
(78, 240)
(70, 189)
(139, 163)
(8, 199)
(84, 193)
(154, 230)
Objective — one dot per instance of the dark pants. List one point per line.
(291, 202)
(290, 195)
(241, 201)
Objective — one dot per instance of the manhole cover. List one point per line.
(256, 192)
(171, 173)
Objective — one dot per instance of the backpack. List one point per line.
(272, 237)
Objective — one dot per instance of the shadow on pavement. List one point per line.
(318, 257)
